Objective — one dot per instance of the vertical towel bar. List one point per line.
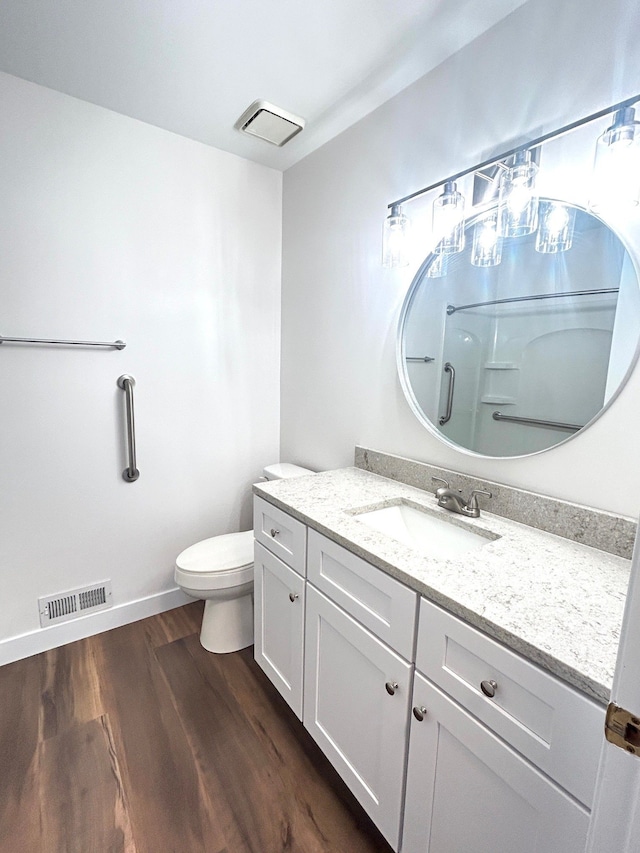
(130, 473)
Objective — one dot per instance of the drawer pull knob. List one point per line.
(391, 687)
(293, 596)
(419, 713)
(274, 532)
(489, 688)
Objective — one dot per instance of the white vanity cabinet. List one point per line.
(502, 755)
(452, 742)
(356, 705)
(359, 641)
(557, 728)
(279, 600)
(356, 626)
(469, 792)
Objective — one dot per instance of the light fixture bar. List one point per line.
(629, 102)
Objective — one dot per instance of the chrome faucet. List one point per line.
(453, 501)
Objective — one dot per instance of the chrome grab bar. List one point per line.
(130, 473)
(498, 416)
(448, 368)
(55, 341)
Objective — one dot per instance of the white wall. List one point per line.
(544, 65)
(115, 229)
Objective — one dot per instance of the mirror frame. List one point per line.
(478, 213)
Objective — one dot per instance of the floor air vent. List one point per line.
(74, 603)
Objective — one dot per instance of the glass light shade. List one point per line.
(448, 220)
(487, 242)
(616, 168)
(439, 266)
(518, 201)
(555, 227)
(395, 239)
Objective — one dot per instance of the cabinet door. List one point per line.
(356, 706)
(279, 624)
(468, 792)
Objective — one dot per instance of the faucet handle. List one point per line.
(440, 480)
(473, 500)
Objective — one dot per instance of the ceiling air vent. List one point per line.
(74, 603)
(268, 122)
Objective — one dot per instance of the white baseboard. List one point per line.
(42, 639)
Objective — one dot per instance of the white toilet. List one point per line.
(220, 571)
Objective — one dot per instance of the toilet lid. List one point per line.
(218, 554)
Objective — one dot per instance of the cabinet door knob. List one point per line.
(274, 532)
(419, 713)
(489, 688)
(391, 687)
(293, 596)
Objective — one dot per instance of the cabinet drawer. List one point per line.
(554, 726)
(381, 603)
(284, 536)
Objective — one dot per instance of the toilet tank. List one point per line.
(284, 470)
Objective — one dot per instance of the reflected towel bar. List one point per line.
(424, 358)
(130, 473)
(498, 416)
(114, 344)
(451, 309)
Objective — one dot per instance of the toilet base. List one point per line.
(227, 626)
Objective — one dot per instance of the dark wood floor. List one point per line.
(139, 740)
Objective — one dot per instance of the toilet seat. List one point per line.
(216, 563)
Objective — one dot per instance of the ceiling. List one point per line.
(193, 66)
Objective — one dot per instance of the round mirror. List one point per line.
(513, 346)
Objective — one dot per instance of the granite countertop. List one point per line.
(557, 602)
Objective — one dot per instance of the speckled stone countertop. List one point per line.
(557, 602)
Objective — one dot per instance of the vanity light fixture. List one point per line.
(448, 220)
(487, 242)
(556, 222)
(616, 168)
(518, 201)
(394, 239)
(616, 176)
(439, 266)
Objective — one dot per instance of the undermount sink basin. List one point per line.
(426, 532)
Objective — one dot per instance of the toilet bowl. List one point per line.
(219, 570)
